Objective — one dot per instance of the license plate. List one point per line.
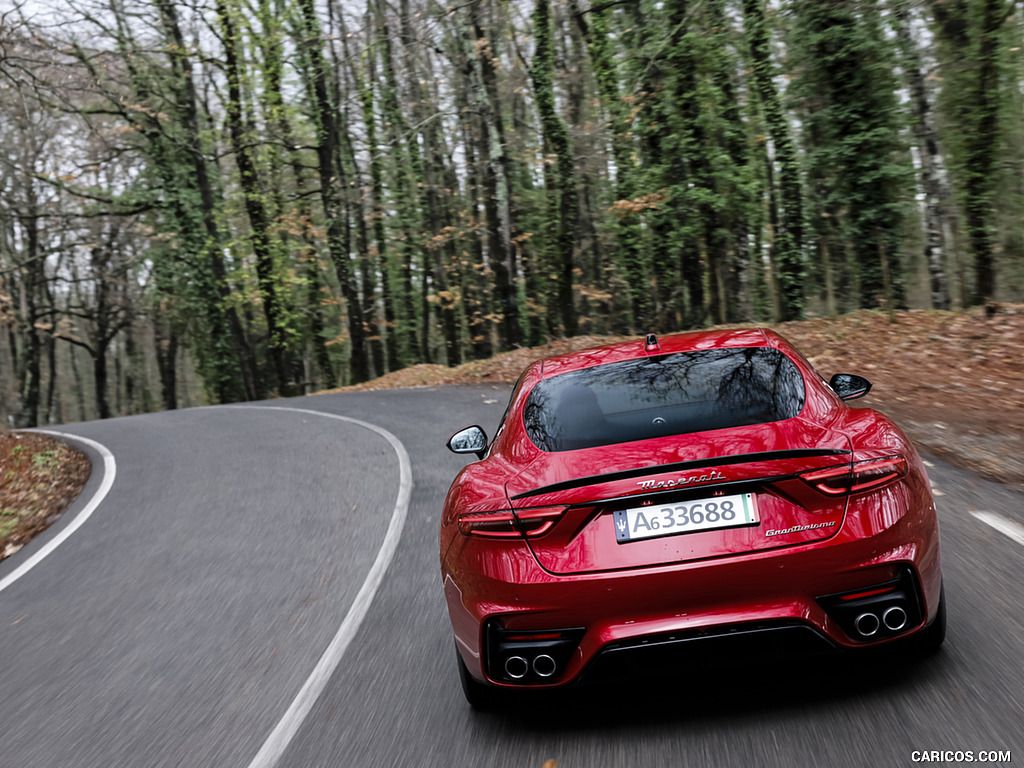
(689, 517)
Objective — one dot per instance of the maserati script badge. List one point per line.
(650, 485)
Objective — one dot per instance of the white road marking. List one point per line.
(109, 472)
(279, 739)
(1014, 530)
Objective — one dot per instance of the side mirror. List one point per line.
(469, 440)
(849, 386)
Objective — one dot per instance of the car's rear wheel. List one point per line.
(478, 695)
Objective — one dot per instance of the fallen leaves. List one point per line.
(941, 375)
(39, 477)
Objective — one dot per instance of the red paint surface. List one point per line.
(577, 574)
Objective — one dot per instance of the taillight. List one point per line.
(860, 476)
(506, 524)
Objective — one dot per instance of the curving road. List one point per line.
(182, 624)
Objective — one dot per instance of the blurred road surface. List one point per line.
(179, 623)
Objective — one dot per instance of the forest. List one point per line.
(216, 201)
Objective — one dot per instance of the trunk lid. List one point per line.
(648, 489)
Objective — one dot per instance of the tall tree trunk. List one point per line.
(279, 154)
(28, 366)
(771, 281)
(254, 196)
(131, 389)
(52, 413)
(789, 234)
(332, 185)
(562, 200)
(476, 284)
(104, 331)
(406, 173)
(731, 170)
(99, 373)
(222, 321)
(628, 234)
(439, 221)
(276, 114)
(688, 170)
(381, 252)
(369, 255)
(982, 147)
(593, 307)
(79, 384)
(933, 171)
(166, 346)
(497, 200)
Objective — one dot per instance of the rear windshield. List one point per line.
(667, 395)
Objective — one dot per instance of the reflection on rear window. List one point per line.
(667, 395)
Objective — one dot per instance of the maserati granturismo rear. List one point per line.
(645, 502)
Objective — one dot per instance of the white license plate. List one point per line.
(688, 517)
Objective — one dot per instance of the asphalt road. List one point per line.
(179, 623)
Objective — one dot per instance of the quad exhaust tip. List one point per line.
(544, 665)
(866, 624)
(894, 618)
(516, 667)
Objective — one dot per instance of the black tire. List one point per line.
(479, 695)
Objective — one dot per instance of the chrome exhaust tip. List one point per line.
(516, 667)
(866, 624)
(544, 665)
(894, 618)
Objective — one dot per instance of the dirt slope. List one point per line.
(953, 380)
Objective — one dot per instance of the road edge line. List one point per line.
(109, 473)
(1006, 527)
(290, 723)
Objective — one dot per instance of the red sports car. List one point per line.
(650, 500)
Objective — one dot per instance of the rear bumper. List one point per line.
(767, 598)
(640, 657)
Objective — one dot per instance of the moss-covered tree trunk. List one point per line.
(285, 150)
(476, 283)
(332, 184)
(497, 193)
(933, 172)
(687, 169)
(404, 158)
(28, 360)
(561, 183)
(226, 360)
(786, 250)
(982, 146)
(440, 249)
(381, 254)
(256, 198)
(847, 72)
(629, 240)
